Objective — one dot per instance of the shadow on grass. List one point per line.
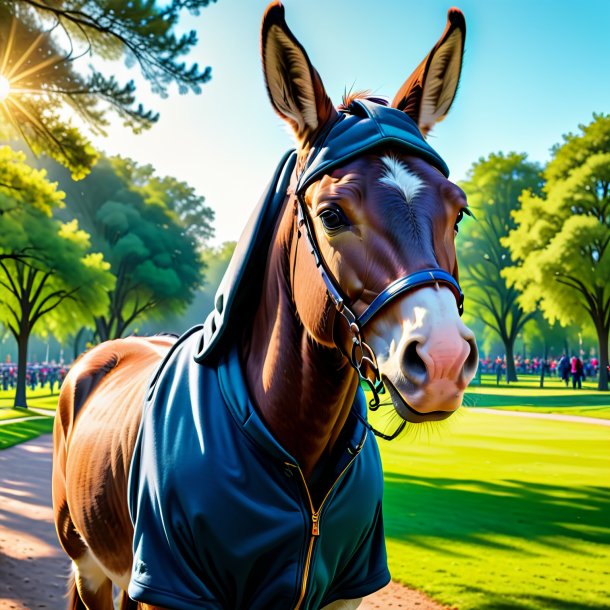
(476, 512)
(13, 434)
(491, 601)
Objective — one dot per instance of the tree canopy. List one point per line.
(216, 260)
(493, 188)
(141, 228)
(47, 271)
(22, 185)
(561, 239)
(45, 48)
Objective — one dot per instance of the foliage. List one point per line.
(47, 270)
(493, 188)
(21, 185)
(195, 217)
(216, 260)
(44, 45)
(562, 237)
(58, 270)
(141, 229)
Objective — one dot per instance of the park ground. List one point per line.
(489, 510)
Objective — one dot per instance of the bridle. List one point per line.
(361, 356)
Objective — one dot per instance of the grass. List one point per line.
(13, 434)
(490, 514)
(31, 426)
(526, 395)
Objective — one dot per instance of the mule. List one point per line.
(360, 286)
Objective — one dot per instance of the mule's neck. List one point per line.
(303, 390)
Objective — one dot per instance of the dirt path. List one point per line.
(579, 419)
(33, 568)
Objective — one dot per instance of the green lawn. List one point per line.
(18, 432)
(39, 398)
(493, 513)
(526, 395)
(533, 381)
(13, 434)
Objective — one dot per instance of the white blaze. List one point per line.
(398, 176)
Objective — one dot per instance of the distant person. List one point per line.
(563, 368)
(576, 370)
(498, 367)
(594, 365)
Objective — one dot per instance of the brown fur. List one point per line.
(74, 600)
(94, 436)
(410, 95)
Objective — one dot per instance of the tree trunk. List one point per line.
(22, 363)
(102, 329)
(543, 366)
(511, 373)
(84, 336)
(602, 338)
(77, 339)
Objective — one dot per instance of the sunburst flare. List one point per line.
(5, 87)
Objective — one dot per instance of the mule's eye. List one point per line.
(332, 219)
(458, 220)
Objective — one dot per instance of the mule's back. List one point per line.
(96, 424)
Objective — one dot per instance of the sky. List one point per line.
(533, 70)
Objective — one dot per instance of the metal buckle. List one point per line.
(363, 357)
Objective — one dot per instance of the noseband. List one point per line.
(320, 161)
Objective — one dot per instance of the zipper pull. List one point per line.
(315, 526)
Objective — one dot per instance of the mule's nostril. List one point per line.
(413, 366)
(472, 361)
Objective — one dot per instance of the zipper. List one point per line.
(315, 519)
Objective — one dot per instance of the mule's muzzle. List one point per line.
(407, 412)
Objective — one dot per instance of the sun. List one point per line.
(5, 87)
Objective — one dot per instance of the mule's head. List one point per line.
(380, 214)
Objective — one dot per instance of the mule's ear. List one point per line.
(428, 93)
(294, 86)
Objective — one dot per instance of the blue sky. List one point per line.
(533, 71)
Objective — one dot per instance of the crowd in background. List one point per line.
(572, 369)
(534, 365)
(568, 368)
(37, 375)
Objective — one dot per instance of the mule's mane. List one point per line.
(349, 97)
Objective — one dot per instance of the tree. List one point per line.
(493, 188)
(140, 227)
(43, 45)
(216, 260)
(561, 238)
(53, 275)
(195, 216)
